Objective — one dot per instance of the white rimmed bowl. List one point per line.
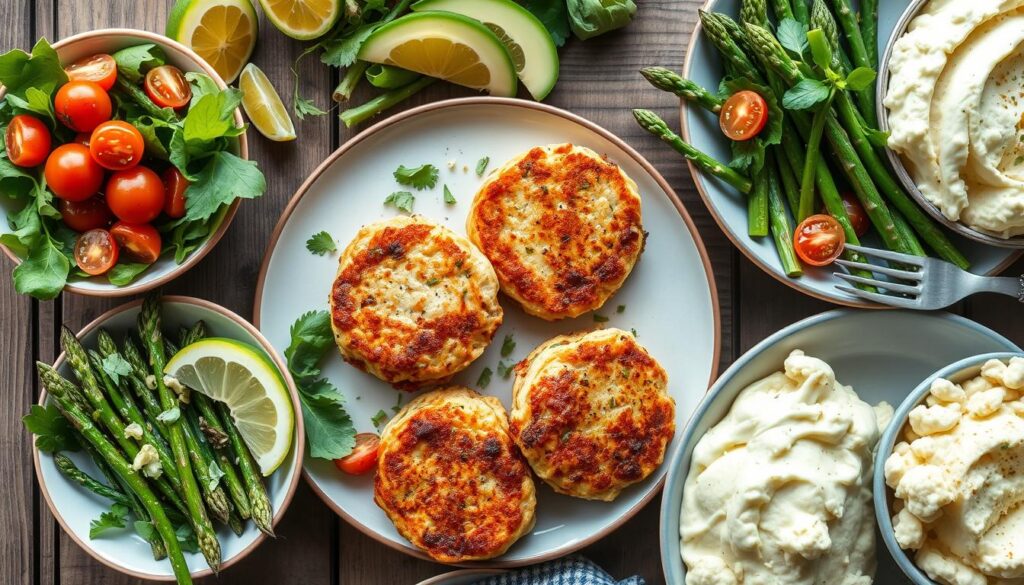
(165, 269)
(74, 507)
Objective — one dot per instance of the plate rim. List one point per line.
(586, 124)
(831, 315)
(299, 446)
(699, 182)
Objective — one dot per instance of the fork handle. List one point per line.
(1006, 285)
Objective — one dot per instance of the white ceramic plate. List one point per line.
(669, 299)
(74, 507)
(883, 355)
(729, 208)
(463, 577)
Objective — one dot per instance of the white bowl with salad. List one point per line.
(123, 162)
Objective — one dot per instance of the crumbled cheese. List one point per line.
(148, 461)
(151, 382)
(133, 431)
(1013, 377)
(909, 530)
(184, 394)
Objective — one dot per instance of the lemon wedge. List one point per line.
(264, 107)
(223, 32)
(302, 19)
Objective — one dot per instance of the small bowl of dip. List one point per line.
(949, 474)
(948, 94)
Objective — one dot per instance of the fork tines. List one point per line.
(914, 277)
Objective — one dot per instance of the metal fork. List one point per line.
(927, 283)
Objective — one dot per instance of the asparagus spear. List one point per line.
(231, 476)
(783, 9)
(83, 424)
(782, 229)
(149, 326)
(789, 183)
(800, 11)
(71, 471)
(215, 498)
(194, 334)
(717, 30)
(754, 12)
(262, 513)
(869, 29)
(672, 82)
(757, 205)
(858, 53)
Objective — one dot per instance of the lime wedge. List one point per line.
(527, 40)
(263, 106)
(240, 376)
(223, 32)
(445, 45)
(302, 19)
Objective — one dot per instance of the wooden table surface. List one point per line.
(599, 81)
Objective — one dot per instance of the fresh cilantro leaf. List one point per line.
(485, 378)
(860, 78)
(448, 197)
(804, 95)
(421, 177)
(330, 433)
(600, 318)
(224, 178)
(401, 200)
(116, 366)
(508, 345)
(633, 331)
(620, 309)
(481, 165)
(311, 337)
(505, 370)
(170, 415)
(792, 34)
(44, 272)
(133, 62)
(53, 432)
(553, 15)
(303, 107)
(20, 71)
(379, 418)
(747, 156)
(343, 51)
(126, 272)
(115, 518)
(215, 474)
(321, 243)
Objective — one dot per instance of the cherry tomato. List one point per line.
(82, 138)
(858, 217)
(83, 216)
(82, 105)
(167, 87)
(72, 174)
(175, 184)
(744, 115)
(819, 240)
(116, 145)
(27, 140)
(363, 457)
(141, 243)
(135, 195)
(100, 69)
(96, 251)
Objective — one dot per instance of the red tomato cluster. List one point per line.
(131, 195)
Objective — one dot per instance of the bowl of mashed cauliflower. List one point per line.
(950, 81)
(949, 475)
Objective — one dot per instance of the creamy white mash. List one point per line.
(955, 110)
(780, 490)
(958, 477)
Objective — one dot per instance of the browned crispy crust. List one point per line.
(598, 419)
(451, 479)
(567, 261)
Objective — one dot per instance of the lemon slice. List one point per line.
(263, 106)
(302, 19)
(240, 376)
(447, 46)
(223, 32)
(528, 42)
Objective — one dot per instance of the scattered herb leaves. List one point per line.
(481, 165)
(115, 518)
(485, 378)
(508, 345)
(448, 197)
(598, 318)
(421, 177)
(401, 200)
(52, 431)
(379, 419)
(321, 244)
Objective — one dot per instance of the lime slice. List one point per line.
(264, 106)
(528, 42)
(240, 376)
(447, 46)
(302, 19)
(223, 32)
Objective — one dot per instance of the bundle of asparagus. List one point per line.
(173, 457)
(820, 65)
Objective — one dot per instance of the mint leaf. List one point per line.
(860, 78)
(20, 71)
(448, 197)
(115, 518)
(44, 272)
(793, 36)
(421, 177)
(553, 15)
(481, 165)
(116, 367)
(134, 62)
(804, 95)
(53, 432)
(402, 200)
(321, 244)
(126, 273)
(508, 345)
(311, 337)
(224, 178)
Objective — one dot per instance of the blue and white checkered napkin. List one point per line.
(575, 570)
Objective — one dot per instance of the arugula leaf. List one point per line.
(554, 15)
(186, 236)
(448, 197)
(27, 226)
(37, 102)
(134, 62)
(792, 34)
(311, 337)
(860, 78)
(421, 177)
(508, 345)
(485, 378)
(157, 135)
(115, 518)
(481, 165)
(116, 366)
(44, 272)
(202, 85)
(20, 71)
(210, 118)
(330, 433)
(125, 273)
(14, 180)
(224, 178)
(321, 244)
(401, 200)
(804, 95)
(53, 432)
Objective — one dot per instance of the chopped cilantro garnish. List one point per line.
(421, 177)
(401, 200)
(448, 197)
(481, 165)
(321, 244)
(600, 318)
(505, 370)
(485, 378)
(379, 418)
(433, 281)
(620, 309)
(508, 346)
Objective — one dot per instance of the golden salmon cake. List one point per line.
(451, 479)
(562, 227)
(591, 413)
(413, 302)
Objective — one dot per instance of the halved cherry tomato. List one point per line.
(819, 240)
(175, 184)
(82, 105)
(71, 173)
(83, 216)
(135, 195)
(96, 251)
(116, 145)
(140, 242)
(858, 217)
(100, 69)
(744, 115)
(363, 457)
(167, 87)
(27, 140)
